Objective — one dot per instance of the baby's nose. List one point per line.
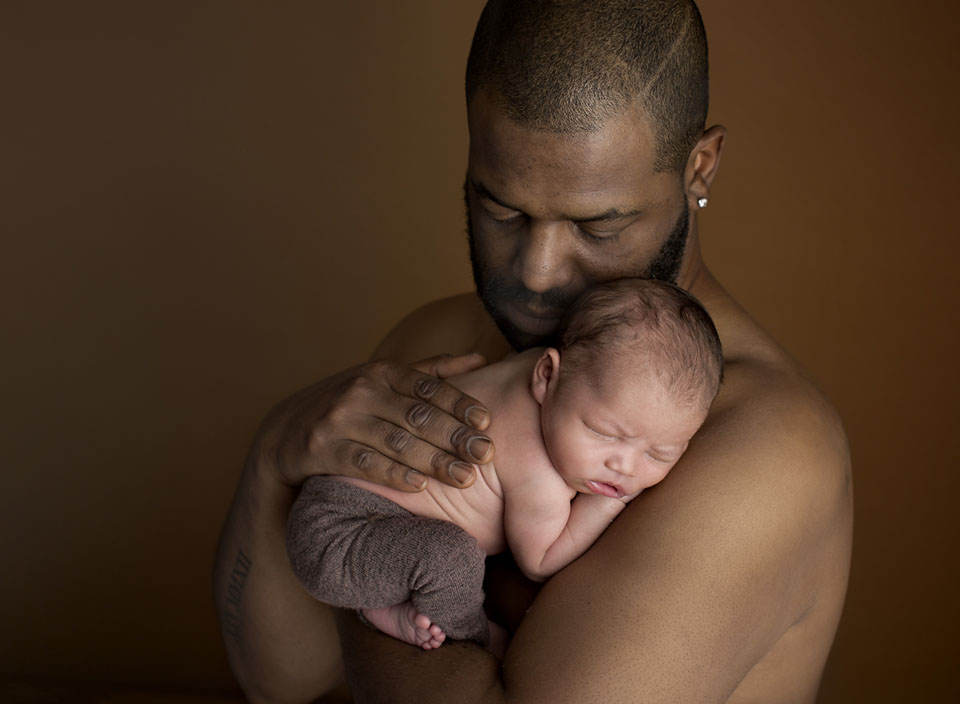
(621, 464)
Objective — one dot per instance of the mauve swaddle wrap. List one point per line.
(354, 549)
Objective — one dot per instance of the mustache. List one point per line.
(500, 289)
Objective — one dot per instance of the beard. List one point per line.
(496, 290)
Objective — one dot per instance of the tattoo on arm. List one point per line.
(231, 609)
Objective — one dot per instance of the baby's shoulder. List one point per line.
(530, 469)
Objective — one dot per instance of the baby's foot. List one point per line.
(404, 622)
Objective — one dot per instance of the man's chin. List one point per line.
(521, 327)
(521, 339)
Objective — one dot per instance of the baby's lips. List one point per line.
(605, 489)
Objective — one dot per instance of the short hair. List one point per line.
(569, 65)
(664, 328)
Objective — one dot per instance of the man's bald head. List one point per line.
(569, 65)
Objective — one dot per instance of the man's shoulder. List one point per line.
(455, 324)
(773, 405)
(770, 476)
(772, 457)
(764, 489)
(770, 419)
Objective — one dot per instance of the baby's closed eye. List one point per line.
(599, 434)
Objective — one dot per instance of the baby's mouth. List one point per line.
(605, 489)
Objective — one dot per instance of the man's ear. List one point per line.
(545, 373)
(702, 165)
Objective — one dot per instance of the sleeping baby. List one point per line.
(580, 430)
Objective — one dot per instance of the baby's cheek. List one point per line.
(661, 474)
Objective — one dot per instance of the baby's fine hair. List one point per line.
(661, 326)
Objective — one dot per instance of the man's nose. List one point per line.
(544, 258)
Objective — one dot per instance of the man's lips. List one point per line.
(533, 321)
(604, 489)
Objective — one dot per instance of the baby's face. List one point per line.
(618, 438)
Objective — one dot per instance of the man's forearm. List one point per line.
(380, 668)
(280, 643)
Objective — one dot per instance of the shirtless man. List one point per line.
(580, 431)
(589, 162)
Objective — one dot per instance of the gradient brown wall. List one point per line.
(207, 205)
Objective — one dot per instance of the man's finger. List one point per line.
(362, 461)
(446, 365)
(438, 393)
(404, 447)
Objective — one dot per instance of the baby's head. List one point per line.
(638, 368)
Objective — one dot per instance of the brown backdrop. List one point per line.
(207, 205)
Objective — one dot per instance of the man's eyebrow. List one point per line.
(612, 214)
(484, 192)
(605, 216)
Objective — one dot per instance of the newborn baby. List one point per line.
(579, 431)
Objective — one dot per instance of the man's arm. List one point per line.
(279, 640)
(685, 593)
(381, 421)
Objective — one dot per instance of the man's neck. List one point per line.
(692, 265)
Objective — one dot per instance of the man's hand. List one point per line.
(382, 421)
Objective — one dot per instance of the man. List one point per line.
(588, 162)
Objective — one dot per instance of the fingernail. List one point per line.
(460, 472)
(415, 479)
(477, 417)
(478, 447)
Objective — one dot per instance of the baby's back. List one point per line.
(515, 431)
(477, 509)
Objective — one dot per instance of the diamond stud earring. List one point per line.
(702, 202)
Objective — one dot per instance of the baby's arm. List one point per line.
(590, 514)
(546, 531)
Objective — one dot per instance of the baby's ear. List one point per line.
(545, 374)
